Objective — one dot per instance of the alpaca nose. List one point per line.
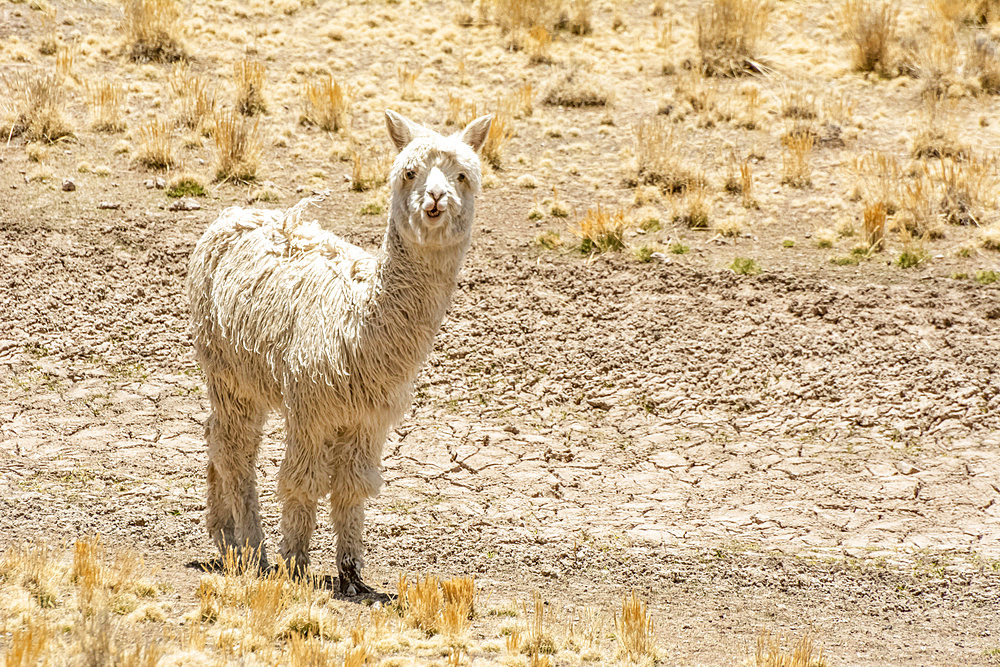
(436, 193)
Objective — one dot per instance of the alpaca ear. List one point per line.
(475, 132)
(401, 130)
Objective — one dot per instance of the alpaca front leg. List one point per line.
(349, 523)
(298, 521)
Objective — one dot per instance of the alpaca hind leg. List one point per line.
(233, 431)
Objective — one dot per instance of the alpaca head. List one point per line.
(434, 181)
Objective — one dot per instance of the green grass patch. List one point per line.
(745, 266)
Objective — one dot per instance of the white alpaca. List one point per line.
(289, 317)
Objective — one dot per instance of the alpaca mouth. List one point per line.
(433, 213)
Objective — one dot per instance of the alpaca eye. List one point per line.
(410, 175)
(461, 178)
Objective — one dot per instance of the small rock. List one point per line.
(68, 185)
(906, 468)
(300, 188)
(109, 205)
(149, 183)
(160, 183)
(185, 204)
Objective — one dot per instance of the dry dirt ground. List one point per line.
(812, 447)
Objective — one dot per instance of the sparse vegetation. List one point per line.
(155, 147)
(195, 99)
(153, 28)
(35, 107)
(499, 135)
(185, 185)
(664, 98)
(745, 266)
(987, 277)
(576, 88)
(238, 147)
(729, 33)
(368, 170)
(601, 230)
(771, 653)
(796, 160)
(870, 25)
(328, 104)
(911, 257)
(661, 160)
(250, 77)
(106, 100)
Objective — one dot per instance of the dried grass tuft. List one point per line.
(497, 138)
(601, 230)
(368, 169)
(729, 33)
(155, 150)
(238, 147)
(106, 100)
(634, 630)
(796, 159)
(250, 77)
(576, 89)
(661, 158)
(35, 107)
(870, 25)
(153, 29)
(873, 225)
(537, 638)
(770, 653)
(195, 100)
(328, 104)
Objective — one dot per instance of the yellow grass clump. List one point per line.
(634, 630)
(539, 45)
(368, 169)
(770, 653)
(661, 158)
(238, 147)
(407, 77)
(152, 29)
(870, 25)
(497, 138)
(538, 638)
(34, 107)
(729, 33)
(107, 98)
(601, 230)
(155, 150)
(796, 162)
(250, 77)
(873, 227)
(328, 104)
(195, 99)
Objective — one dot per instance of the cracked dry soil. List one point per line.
(789, 451)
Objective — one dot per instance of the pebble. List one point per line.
(157, 183)
(68, 185)
(185, 204)
(109, 205)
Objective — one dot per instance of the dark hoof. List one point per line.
(351, 584)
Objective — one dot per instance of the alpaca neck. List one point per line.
(413, 288)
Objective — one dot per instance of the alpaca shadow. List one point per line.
(326, 582)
